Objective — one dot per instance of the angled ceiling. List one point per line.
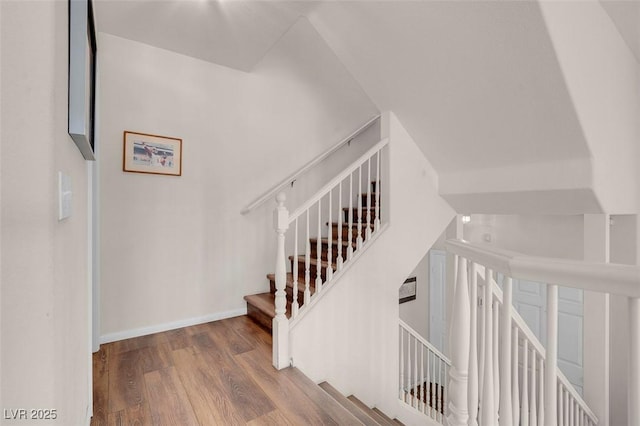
(236, 34)
(625, 14)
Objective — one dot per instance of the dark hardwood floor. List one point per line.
(218, 373)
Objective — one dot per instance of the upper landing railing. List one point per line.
(488, 363)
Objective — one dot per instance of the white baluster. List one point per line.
(515, 388)
(560, 405)
(339, 259)
(487, 404)
(533, 407)
(440, 390)
(294, 305)
(280, 323)
(633, 398)
(524, 408)
(359, 237)
(541, 393)
(409, 367)
(402, 393)
(319, 250)
(415, 372)
(377, 198)
(422, 384)
(473, 346)
(551, 365)
(307, 266)
(369, 222)
(330, 246)
(506, 414)
(565, 406)
(429, 378)
(482, 337)
(496, 353)
(350, 230)
(572, 404)
(459, 338)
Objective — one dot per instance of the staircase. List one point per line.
(323, 255)
(358, 409)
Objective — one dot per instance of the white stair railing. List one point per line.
(349, 227)
(423, 374)
(517, 380)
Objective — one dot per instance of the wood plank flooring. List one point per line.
(218, 373)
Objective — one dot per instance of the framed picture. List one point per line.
(407, 290)
(145, 153)
(82, 73)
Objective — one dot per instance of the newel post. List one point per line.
(459, 338)
(280, 322)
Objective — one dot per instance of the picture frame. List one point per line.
(152, 154)
(407, 291)
(82, 76)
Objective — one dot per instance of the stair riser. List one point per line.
(363, 199)
(289, 290)
(325, 251)
(356, 216)
(312, 269)
(345, 232)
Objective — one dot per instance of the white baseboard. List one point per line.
(137, 332)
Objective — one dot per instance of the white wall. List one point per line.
(44, 308)
(416, 312)
(544, 235)
(350, 338)
(176, 250)
(601, 76)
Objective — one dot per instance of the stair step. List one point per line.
(386, 418)
(289, 289)
(339, 415)
(346, 403)
(345, 230)
(363, 198)
(371, 412)
(364, 210)
(325, 247)
(313, 265)
(261, 308)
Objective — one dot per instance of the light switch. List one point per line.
(65, 196)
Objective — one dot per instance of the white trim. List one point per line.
(269, 194)
(143, 331)
(599, 277)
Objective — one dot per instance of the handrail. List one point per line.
(610, 278)
(575, 395)
(270, 193)
(343, 175)
(422, 340)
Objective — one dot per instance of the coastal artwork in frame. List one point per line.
(146, 153)
(407, 290)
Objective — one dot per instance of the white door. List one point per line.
(437, 302)
(530, 300)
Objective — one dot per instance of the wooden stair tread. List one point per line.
(264, 303)
(314, 261)
(350, 406)
(375, 415)
(334, 409)
(386, 418)
(312, 283)
(334, 241)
